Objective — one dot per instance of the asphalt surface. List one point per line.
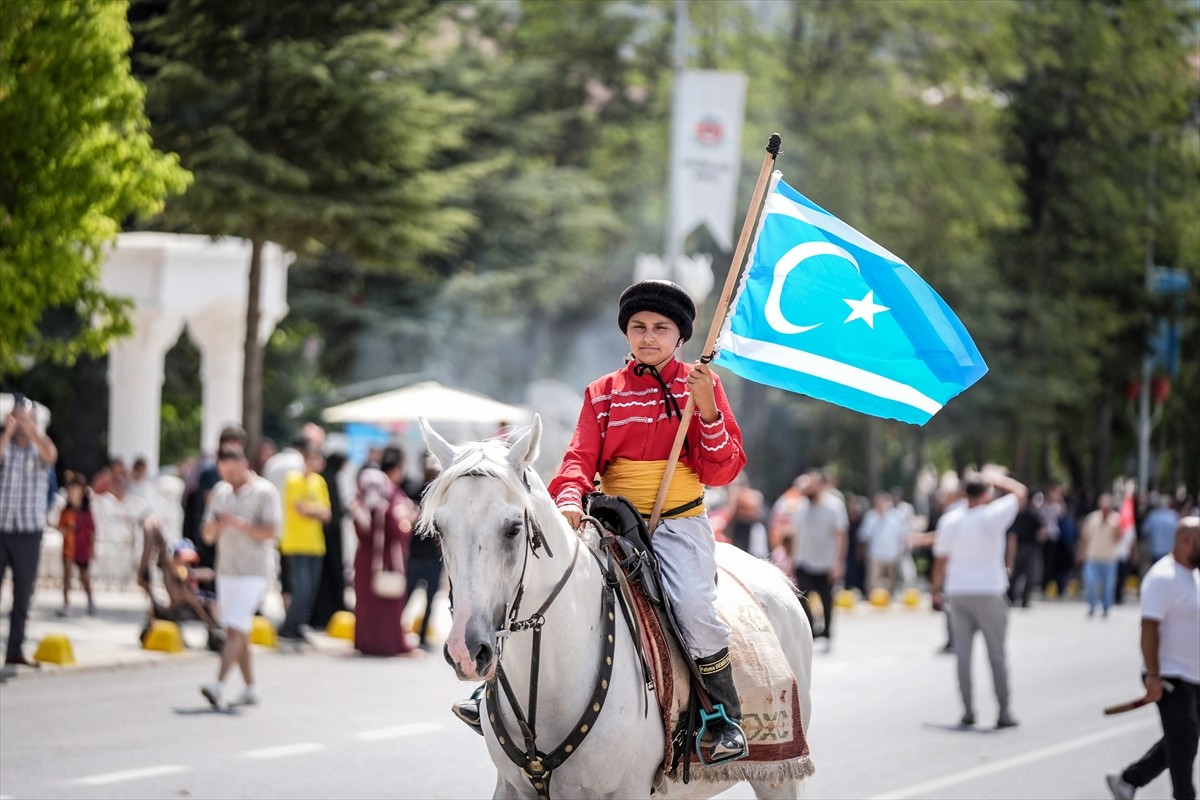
(126, 723)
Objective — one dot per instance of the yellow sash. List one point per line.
(638, 481)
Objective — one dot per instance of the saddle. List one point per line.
(631, 538)
(772, 716)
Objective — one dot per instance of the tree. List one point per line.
(76, 160)
(306, 123)
(891, 120)
(1101, 109)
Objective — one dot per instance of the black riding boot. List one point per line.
(468, 710)
(728, 738)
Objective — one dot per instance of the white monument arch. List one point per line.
(177, 281)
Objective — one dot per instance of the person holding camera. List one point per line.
(26, 455)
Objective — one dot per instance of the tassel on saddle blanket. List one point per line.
(769, 694)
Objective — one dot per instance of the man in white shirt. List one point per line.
(1171, 657)
(972, 559)
(884, 531)
(820, 524)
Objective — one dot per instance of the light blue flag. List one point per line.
(824, 311)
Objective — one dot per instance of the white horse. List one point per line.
(493, 514)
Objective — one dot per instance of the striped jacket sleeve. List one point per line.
(577, 474)
(719, 456)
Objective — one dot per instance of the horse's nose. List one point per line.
(483, 658)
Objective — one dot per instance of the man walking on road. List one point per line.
(244, 516)
(26, 454)
(972, 561)
(821, 524)
(1171, 654)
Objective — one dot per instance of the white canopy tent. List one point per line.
(430, 400)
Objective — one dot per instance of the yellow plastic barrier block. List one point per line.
(845, 599)
(912, 597)
(55, 648)
(164, 636)
(1073, 588)
(879, 597)
(263, 632)
(1132, 584)
(1051, 591)
(341, 625)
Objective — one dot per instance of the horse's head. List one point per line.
(482, 507)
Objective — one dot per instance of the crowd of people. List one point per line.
(253, 521)
(826, 538)
(283, 519)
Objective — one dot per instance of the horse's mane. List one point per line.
(485, 459)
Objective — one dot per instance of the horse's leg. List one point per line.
(788, 789)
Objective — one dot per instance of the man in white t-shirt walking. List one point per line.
(819, 549)
(972, 561)
(1171, 657)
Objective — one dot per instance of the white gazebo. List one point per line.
(177, 280)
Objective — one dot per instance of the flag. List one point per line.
(824, 311)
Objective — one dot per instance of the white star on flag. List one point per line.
(864, 309)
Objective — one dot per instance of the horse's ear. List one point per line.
(523, 449)
(442, 450)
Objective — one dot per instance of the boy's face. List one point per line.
(652, 337)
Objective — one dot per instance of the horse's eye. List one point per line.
(512, 530)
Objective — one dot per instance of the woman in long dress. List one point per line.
(381, 504)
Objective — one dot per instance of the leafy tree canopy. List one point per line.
(76, 160)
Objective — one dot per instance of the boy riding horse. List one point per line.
(624, 434)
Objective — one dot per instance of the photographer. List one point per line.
(26, 454)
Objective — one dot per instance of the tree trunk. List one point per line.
(252, 349)
(1100, 470)
(874, 455)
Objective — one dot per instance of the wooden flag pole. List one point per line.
(735, 270)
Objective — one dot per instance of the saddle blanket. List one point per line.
(764, 679)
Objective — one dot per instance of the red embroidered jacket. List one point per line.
(624, 416)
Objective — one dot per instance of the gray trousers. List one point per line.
(21, 552)
(686, 549)
(989, 614)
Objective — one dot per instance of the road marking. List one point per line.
(918, 789)
(130, 775)
(398, 731)
(285, 750)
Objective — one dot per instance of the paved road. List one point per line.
(335, 725)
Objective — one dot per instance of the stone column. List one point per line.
(218, 333)
(135, 379)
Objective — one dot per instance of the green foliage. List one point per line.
(182, 413)
(306, 124)
(76, 160)
(1098, 122)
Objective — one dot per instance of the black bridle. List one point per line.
(537, 765)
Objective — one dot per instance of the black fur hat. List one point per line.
(661, 297)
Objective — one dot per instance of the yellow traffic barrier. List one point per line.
(845, 599)
(912, 597)
(163, 636)
(341, 625)
(879, 597)
(1073, 588)
(1051, 591)
(1132, 584)
(55, 648)
(263, 632)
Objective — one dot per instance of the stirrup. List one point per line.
(468, 712)
(728, 738)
